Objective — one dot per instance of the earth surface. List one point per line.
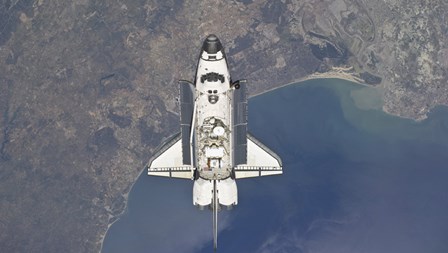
(88, 89)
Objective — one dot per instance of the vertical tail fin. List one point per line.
(215, 216)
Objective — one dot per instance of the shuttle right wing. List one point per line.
(251, 157)
(261, 161)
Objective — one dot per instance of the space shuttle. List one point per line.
(213, 147)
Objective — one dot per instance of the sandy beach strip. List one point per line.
(335, 74)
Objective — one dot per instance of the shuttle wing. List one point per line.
(168, 162)
(251, 157)
(173, 158)
(261, 161)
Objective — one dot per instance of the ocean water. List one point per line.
(355, 180)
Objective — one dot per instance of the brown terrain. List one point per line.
(88, 89)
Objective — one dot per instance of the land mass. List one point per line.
(88, 89)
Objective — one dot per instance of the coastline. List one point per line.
(337, 73)
(126, 198)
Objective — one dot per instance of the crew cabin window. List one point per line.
(212, 77)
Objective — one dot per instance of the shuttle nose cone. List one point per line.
(212, 45)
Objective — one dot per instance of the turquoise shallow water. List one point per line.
(355, 180)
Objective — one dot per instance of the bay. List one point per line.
(355, 180)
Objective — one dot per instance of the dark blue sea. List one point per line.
(355, 180)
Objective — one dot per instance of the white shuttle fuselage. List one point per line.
(213, 148)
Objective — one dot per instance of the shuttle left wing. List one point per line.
(168, 162)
